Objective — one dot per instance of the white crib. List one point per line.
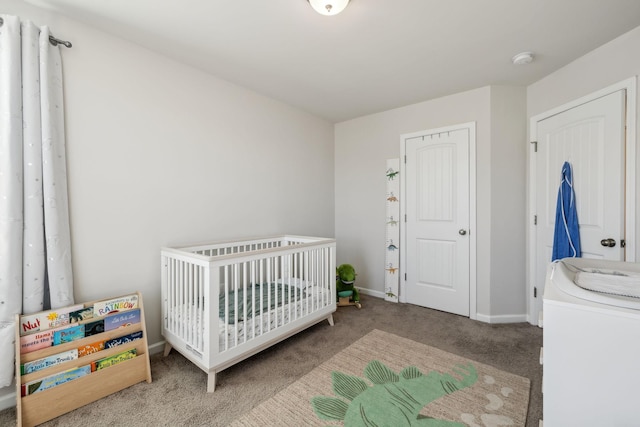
(225, 301)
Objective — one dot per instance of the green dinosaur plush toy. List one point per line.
(345, 288)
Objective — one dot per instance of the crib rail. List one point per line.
(219, 249)
(220, 298)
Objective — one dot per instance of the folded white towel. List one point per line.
(612, 282)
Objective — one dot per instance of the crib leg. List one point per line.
(211, 382)
(167, 349)
(330, 319)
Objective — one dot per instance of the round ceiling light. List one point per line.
(328, 7)
(522, 58)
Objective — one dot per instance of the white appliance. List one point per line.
(591, 357)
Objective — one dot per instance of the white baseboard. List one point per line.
(8, 400)
(502, 318)
(156, 348)
(376, 294)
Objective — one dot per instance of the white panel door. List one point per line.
(591, 137)
(437, 223)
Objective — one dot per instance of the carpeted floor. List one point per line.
(177, 396)
(386, 380)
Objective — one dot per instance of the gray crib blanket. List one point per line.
(264, 298)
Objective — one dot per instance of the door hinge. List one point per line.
(405, 159)
(535, 220)
(405, 277)
(535, 146)
(535, 292)
(405, 217)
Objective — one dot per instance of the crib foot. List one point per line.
(330, 319)
(211, 382)
(167, 349)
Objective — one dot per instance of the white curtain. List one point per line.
(35, 244)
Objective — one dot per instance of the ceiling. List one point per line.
(374, 56)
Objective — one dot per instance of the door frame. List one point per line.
(471, 127)
(630, 183)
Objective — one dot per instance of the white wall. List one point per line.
(509, 146)
(159, 153)
(364, 144)
(613, 62)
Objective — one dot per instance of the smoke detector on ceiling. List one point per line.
(522, 58)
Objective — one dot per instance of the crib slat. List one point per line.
(226, 306)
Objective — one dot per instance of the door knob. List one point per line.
(462, 232)
(609, 243)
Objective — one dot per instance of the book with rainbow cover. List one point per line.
(102, 308)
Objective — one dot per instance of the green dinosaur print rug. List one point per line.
(386, 380)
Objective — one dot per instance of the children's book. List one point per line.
(80, 315)
(46, 362)
(123, 339)
(54, 380)
(124, 318)
(36, 341)
(44, 320)
(68, 334)
(88, 349)
(112, 360)
(102, 308)
(93, 328)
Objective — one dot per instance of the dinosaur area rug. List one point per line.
(385, 380)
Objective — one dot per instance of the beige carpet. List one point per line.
(492, 397)
(178, 394)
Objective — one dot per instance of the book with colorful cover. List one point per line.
(45, 320)
(112, 360)
(81, 314)
(102, 308)
(88, 349)
(46, 362)
(121, 319)
(54, 380)
(68, 334)
(123, 339)
(93, 328)
(36, 341)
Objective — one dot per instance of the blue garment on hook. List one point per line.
(566, 236)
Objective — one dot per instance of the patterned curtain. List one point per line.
(35, 244)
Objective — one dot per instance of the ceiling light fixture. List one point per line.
(328, 7)
(522, 58)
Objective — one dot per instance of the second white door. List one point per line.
(591, 138)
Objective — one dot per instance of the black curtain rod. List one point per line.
(54, 41)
